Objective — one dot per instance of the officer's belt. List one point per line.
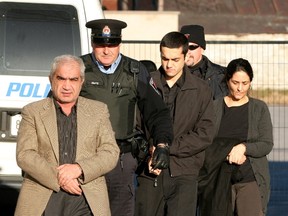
(124, 146)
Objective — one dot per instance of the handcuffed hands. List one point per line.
(150, 168)
(160, 157)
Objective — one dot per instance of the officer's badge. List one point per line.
(106, 32)
(187, 35)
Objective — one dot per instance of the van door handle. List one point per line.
(3, 121)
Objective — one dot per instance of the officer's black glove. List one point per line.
(160, 159)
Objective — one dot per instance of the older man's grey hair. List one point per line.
(58, 60)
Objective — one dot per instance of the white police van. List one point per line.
(32, 33)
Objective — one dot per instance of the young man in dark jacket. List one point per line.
(173, 191)
(200, 65)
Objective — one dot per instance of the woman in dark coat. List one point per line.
(235, 177)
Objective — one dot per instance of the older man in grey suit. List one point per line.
(65, 146)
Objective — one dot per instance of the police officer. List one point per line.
(200, 65)
(122, 82)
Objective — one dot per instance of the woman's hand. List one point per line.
(237, 154)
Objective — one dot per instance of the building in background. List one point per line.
(218, 16)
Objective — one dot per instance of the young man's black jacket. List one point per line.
(193, 123)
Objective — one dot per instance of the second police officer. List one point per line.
(200, 65)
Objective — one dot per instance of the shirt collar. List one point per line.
(179, 82)
(111, 69)
(58, 107)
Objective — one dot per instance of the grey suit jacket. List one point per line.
(38, 154)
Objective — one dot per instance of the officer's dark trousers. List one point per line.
(173, 196)
(121, 186)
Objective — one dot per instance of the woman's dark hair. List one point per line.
(236, 65)
(175, 40)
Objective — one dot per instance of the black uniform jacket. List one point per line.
(118, 91)
(213, 74)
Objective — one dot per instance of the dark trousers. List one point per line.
(173, 196)
(65, 204)
(121, 186)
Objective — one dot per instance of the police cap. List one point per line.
(106, 31)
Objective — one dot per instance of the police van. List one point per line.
(32, 33)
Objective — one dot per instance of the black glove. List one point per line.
(160, 158)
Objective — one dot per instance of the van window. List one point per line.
(31, 36)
